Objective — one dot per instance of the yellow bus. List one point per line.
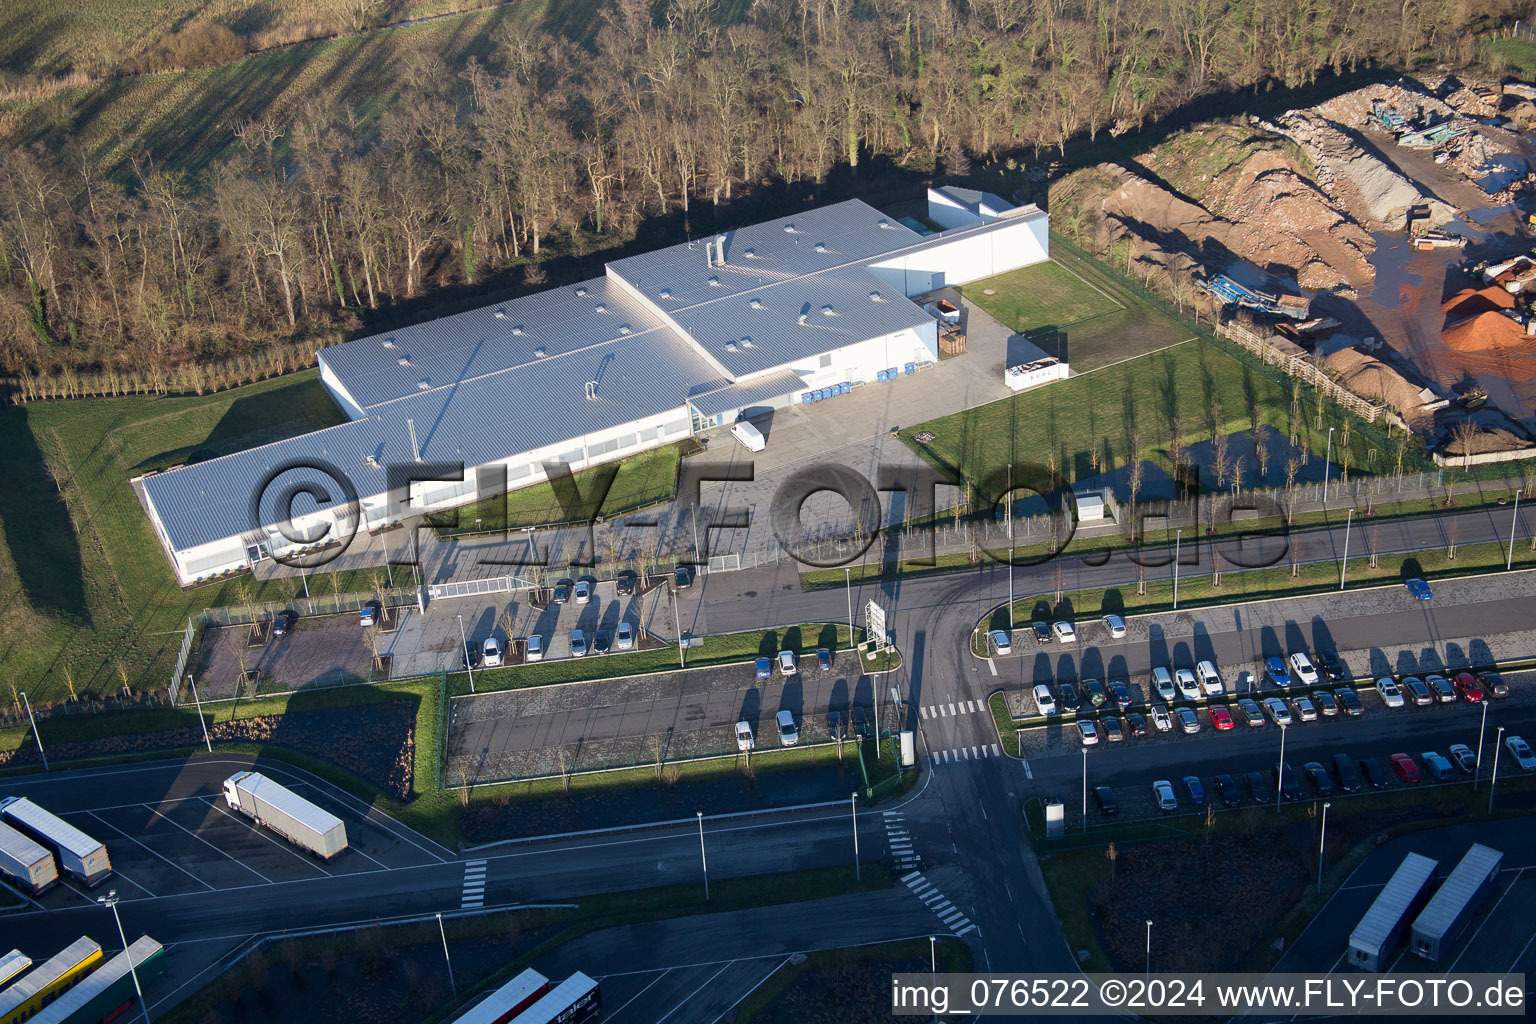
(42, 985)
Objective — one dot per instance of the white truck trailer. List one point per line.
(286, 813)
(24, 862)
(79, 854)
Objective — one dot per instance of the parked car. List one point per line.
(1121, 691)
(1001, 642)
(1070, 702)
(824, 659)
(1115, 625)
(1275, 672)
(1105, 798)
(1521, 752)
(1344, 769)
(682, 577)
(1221, 718)
(1162, 792)
(583, 591)
(1438, 766)
(1227, 791)
(1333, 668)
(1044, 702)
(1391, 693)
(1374, 773)
(600, 642)
(1319, 777)
(1285, 780)
(1162, 683)
(1349, 700)
(1113, 731)
(764, 668)
(1304, 708)
(1188, 686)
(788, 663)
(1097, 695)
(1471, 690)
(624, 637)
(789, 733)
(1161, 720)
(1189, 722)
(1064, 632)
(534, 650)
(1194, 790)
(1042, 632)
(624, 584)
(1136, 725)
(1463, 757)
(578, 644)
(1417, 691)
(1252, 713)
(280, 624)
(1494, 684)
(1444, 692)
(562, 592)
(1210, 679)
(367, 616)
(1262, 793)
(1278, 711)
(1419, 589)
(1303, 670)
(1087, 732)
(490, 652)
(1405, 768)
(1326, 704)
(744, 737)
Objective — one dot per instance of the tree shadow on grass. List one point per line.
(38, 530)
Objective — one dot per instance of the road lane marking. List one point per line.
(967, 928)
(1028, 772)
(992, 665)
(996, 752)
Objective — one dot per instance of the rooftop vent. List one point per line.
(747, 342)
(388, 343)
(601, 307)
(828, 311)
(581, 291)
(518, 329)
(875, 297)
(665, 293)
(501, 314)
(884, 224)
(789, 228)
(802, 318)
(821, 247)
(371, 462)
(591, 390)
(714, 282)
(404, 360)
(755, 303)
(425, 384)
(625, 328)
(730, 346)
(750, 254)
(540, 352)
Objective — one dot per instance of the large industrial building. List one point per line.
(662, 346)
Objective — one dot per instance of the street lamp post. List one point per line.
(1149, 949)
(702, 859)
(1321, 839)
(1178, 537)
(452, 985)
(677, 624)
(933, 958)
(206, 741)
(848, 587)
(1494, 781)
(1085, 789)
(1009, 499)
(110, 900)
(35, 734)
(1477, 770)
(853, 809)
(1280, 772)
(1344, 565)
(467, 667)
(1327, 462)
(1514, 521)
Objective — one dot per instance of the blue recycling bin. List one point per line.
(805, 398)
(880, 376)
(843, 388)
(909, 368)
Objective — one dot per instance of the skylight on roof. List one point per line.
(601, 307)
(581, 291)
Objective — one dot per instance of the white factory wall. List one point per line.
(969, 256)
(339, 390)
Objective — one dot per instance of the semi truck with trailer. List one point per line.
(24, 862)
(286, 813)
(79, 855)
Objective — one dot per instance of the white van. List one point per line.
(750, 437)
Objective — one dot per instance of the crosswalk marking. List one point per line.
(947, 710)
(900, 842)
(955, 754)
(952, 709)
(947, 913)
(473, 894)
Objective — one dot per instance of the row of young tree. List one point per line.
(317, 217)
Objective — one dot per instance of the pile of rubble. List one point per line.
(1353, 109)
(1375, 381)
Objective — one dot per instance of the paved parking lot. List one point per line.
(184, 839)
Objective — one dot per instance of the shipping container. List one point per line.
(1381, 929)
(1456, 902)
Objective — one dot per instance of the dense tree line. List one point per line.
(478, 167)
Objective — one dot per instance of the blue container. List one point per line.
(843, 388)
(909, 368)
(805, 399)
(880, 376)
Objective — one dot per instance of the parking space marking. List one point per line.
(1523, 950)
(695, 992)
(210, 846)
(1473, 940)
(284, 846)
(141, 846)
(662, 974)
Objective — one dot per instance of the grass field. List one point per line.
(1046, 294)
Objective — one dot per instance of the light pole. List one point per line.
(1344, 565)
(1009, 498)
(677, 624)
(1327, 462)
(1178, 537)
(1321, 839)
(1149, 949)
(206, 741)
(703, 859)
(1280, 772)
(848, 587)
(1514, 521)
(467, 668)
(451, 984)
(853, 809)
(110, 900)
(1477, 770)
(1495, 780)
(1085, 789)
(35, 734)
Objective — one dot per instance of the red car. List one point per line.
(1221, 718)
(1470, 688)
(1405, 767)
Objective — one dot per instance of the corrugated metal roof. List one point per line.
(738, 396)
(475, 422)
(1387, 911)
(49, 972)
(973, 199)
(391, 365)
(1462, 884)
(43, 821)
(71, 1003)
(20, 847)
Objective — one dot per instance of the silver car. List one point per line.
(1278, 711)
(789, 733)
(624, 637)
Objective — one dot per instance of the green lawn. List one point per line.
(1047, 294)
